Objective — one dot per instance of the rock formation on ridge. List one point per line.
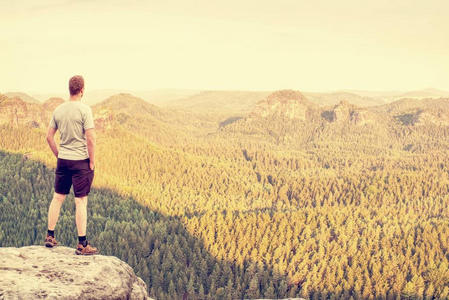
(345, 111)
(285, 103)
(438, 117)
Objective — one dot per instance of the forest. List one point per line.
(269, 207)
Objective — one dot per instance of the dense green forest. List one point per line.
(261, 208)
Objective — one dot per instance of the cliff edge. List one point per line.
(37, 272)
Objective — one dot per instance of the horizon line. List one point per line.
(224, 90)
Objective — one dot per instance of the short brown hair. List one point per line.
(76, 83)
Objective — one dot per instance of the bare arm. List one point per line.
(90, 137)
(51, 140)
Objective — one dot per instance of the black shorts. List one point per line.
(76, 172)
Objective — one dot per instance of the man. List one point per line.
(76, 161)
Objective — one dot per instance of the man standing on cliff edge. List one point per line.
(76, 161)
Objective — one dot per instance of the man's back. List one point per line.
(72, 118)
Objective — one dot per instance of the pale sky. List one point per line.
(306, 45)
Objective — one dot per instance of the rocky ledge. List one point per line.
(37, 272)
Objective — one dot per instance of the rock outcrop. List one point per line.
(285, 103)
(361, 117)
(37, 272)
(104, 118)
(52, 103)
(15, 112)
(344, 111)
(439, 117)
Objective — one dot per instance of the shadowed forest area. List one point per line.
(173, 263)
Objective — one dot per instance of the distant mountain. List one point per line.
(437, 92)
(323, 99)
(158, 97)
(238, 102)
(427, 93)
(162, 97)
(242, 102)
(284, 116)
(96, 96)
(23, 96)
(89, 98)
(407, 104)
(127, 103)
(391, 96)
(46, 96)
(19, 112)
(295, 105)
(281, 106)
(121, 111)
(288, 117)
(417, 94)
(416, 111)
(372, 94)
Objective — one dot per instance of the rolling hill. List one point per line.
(23, 96)
(241, 102)
(234, 102)
(323, 99)
(157, 97)
(285, 117)
(391, 96)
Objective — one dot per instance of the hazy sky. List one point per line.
(307, 45)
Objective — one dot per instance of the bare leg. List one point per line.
(81, 215)
(53, 210)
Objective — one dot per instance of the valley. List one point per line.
(243, 195)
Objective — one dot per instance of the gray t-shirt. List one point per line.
(72, 118)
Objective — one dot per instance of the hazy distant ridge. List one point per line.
(237, 102)
(389, 96)
(153, 96)
(25, 97)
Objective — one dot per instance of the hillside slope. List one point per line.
(22, 96)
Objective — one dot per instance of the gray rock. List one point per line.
(37, 272)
